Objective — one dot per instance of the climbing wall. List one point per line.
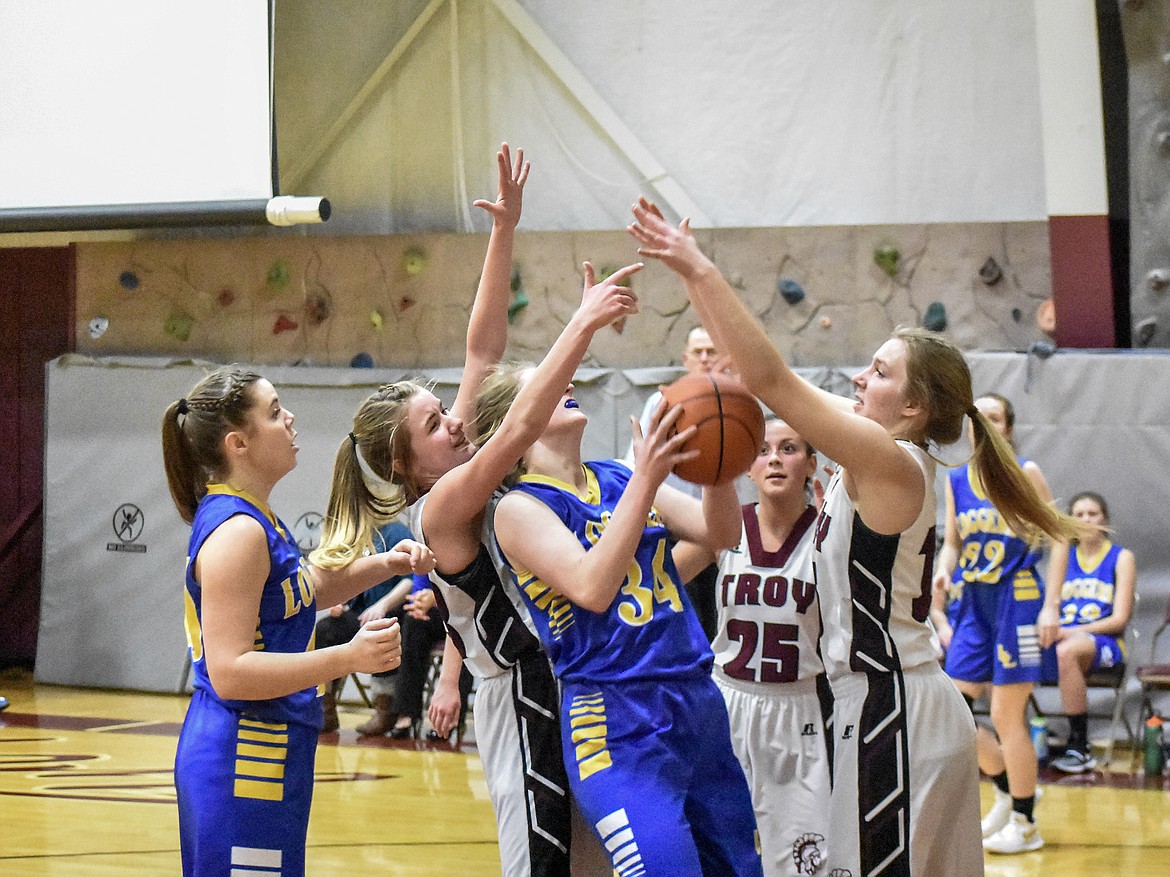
(1146, 26)
(827, 295)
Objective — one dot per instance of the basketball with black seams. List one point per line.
(730, 426)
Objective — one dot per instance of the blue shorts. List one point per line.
(995, 638)
(1108, 652)
(652, 770)
(244, 789)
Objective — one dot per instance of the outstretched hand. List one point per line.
(661, 448)
(605, 302)
(505, 210)
(658, 239)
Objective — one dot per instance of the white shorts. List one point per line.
(517, 729)
(778, 734)
(916, 809)
(499, 750)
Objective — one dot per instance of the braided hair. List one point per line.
(193, 429)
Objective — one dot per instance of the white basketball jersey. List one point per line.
(874, 590)
(483, 612)
(767, 602)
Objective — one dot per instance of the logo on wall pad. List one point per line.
(307, 531)
(129, 523)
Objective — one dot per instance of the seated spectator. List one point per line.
(1096, 603)
(344, 621)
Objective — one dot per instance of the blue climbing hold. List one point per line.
(791, 291)
(936, 317)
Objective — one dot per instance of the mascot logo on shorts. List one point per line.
(808, 853)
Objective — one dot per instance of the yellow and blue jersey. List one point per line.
(644, 730)
(995, 635)
(1090, 586)
(288, 610)
(650, 630)
(991, 552)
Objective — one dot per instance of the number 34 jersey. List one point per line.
(650, 631)
(767, 600)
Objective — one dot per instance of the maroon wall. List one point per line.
(36, 325)
(1082, 281)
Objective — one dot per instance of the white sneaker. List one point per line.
(1018, 836)
(1074, 761)
(997, 817)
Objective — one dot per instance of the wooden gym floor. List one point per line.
(86, 789)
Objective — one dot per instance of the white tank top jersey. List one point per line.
(767, 601)
(494, 627)
(874, 590)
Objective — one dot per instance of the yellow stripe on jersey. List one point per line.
(192, 627)
(260, 768)
(263, 736)
(1025, 586)
(587, 719)
(272, 770)
(544, 598)
(258, 790)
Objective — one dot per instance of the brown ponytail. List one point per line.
(192, 447)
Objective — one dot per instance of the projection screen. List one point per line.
(133, 113)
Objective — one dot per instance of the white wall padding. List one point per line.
(112, 617)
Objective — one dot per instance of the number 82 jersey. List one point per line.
(769, 620)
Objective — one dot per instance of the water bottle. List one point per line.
(1155, 755)
(1039, 726)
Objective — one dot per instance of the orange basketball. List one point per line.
(730, 423)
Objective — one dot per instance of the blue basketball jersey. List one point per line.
(1089, 586)
(288, 610)
(650, 631)
(991, 552)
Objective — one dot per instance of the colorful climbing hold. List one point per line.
(791, 291)
(935, 318)
(97, 327)
(129, 280)
(284, 323)
(178, 325)
(990, 272)
(361, 360)
(519, 302)
(887, 257)
(414, 261)
(319, 307)
(278, 276)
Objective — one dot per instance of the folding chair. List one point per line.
(1152, 677)
(362, 686)
(1115, 679)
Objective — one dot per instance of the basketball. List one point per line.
(730, 426)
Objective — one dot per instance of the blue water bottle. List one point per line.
(1039, 726)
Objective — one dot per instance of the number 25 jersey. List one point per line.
(767, 600)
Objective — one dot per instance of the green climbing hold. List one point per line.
(887, 257)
